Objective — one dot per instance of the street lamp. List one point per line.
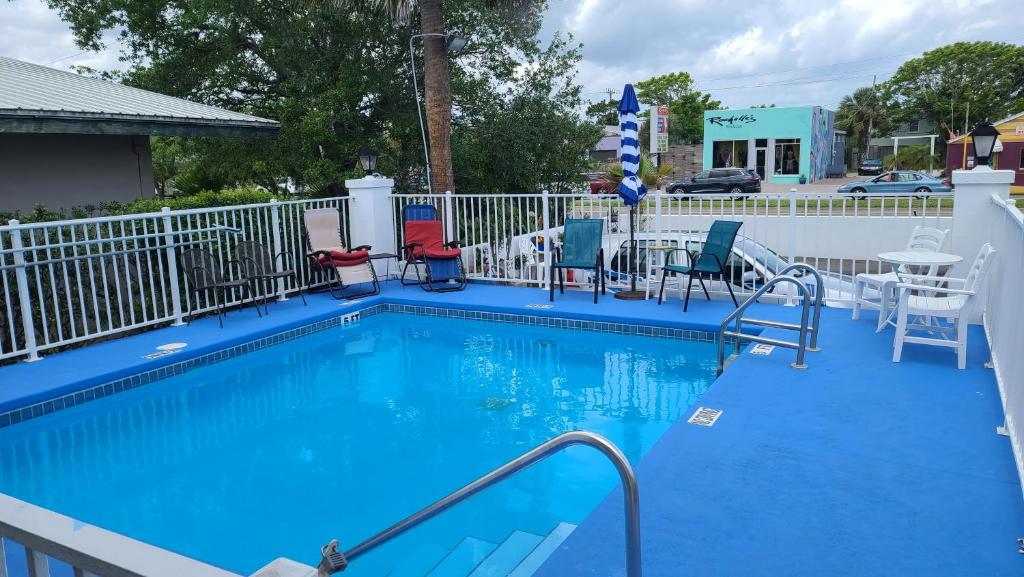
(368, 160)
(455, 44)
(984, 139)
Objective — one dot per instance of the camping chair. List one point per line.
(424, 246)
(922, 239)
(581, 249)
(204, 276)
(918, 299)
(709, 262)
(342, 268)
(258, 266)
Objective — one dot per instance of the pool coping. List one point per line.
(168, 365)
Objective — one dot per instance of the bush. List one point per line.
(204, 199)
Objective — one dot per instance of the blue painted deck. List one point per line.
(857, 466)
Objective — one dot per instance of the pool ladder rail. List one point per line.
(333, 561)
(805, 328)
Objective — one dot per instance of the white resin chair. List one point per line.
(884, 284)
(959, 299)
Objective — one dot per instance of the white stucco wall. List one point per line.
(66, 170)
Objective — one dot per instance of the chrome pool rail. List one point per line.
(630, 491)
(737, 315)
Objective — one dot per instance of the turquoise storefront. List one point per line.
(780, 143)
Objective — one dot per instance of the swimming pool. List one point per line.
(345, 431)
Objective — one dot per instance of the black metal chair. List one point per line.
(259, 267)
(204, 276)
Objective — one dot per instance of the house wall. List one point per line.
(61, 171)
(813, 125)
(1011, 135)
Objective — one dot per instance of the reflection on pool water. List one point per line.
(342, 433)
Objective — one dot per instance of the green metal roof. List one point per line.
(38, 99)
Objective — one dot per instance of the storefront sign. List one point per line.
(733, 121)
(659, 129)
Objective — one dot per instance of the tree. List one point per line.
(958, 85)
(686, 105)
(604, 113)
(860, 114)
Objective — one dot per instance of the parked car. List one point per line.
(897, 181)
(870, 166)
(734, 181)
(599, 183)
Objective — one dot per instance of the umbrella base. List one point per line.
(631, 295)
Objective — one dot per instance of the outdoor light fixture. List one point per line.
(984, 138)
(368, 160)
(455, 43)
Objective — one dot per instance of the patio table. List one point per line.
(914, 260)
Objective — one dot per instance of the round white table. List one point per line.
(914, 262)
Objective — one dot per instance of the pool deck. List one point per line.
(856, 466)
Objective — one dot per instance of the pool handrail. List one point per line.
(631, 494)
(818, 298)
(737, 315)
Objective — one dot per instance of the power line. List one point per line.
(65, 57)
(734, 76)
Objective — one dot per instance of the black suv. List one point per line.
(735, 181)
(870, 166)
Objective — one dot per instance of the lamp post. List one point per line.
(368, 160)
(983, 137)
(455, 44)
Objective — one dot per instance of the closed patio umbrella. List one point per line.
(631, 189)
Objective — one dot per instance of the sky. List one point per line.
(744, 52)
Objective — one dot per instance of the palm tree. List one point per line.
(437, 84)
(859, 114)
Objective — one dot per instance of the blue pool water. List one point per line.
(342, 433)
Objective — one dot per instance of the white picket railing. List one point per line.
(71, 281)
(841, 236)
(1002, 317)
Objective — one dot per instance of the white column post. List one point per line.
(449, 220)
(370, 217)
(172, 265)
(546, 252)
(792, 235)
(972, 201)
(24, 298)
(275, 242)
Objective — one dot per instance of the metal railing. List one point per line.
(630, 490)
(737, 315)
(72, 281)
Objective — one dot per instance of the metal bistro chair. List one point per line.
(259, 268)
(711, 261)
(204, 276)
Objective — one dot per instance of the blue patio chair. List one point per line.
(425, 247)
(581, 248)
(709, 262)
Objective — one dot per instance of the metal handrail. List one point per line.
(736, 315)
(630, 490)
(818, 297)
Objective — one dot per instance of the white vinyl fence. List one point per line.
(1003, 319)
(70, 281)
(507, 237)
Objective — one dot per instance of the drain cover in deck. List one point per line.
(704, 416)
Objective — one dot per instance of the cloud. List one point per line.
(30, 31)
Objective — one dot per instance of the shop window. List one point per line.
(787, 156)
(761, 142)
(729, 153)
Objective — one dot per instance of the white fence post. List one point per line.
(275, 241)
(792, 237)
(172, 265)
(24, 299)
(546, 252)
(449, 220)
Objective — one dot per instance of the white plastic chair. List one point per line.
(954, 306)
(922, 239)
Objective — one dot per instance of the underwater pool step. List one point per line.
(464, 558)
(541, 552)
(516, 547)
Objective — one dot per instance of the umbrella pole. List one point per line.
(632, 294)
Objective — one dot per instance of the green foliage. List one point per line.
(204, 199)
(604, 113)
(860, 114)
(652, 176)
(986, 78)
(686, 105)
(914, 157)
(338, 80)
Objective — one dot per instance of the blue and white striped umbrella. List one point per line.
(630, 189)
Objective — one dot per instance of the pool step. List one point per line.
(461, 560)
(529, 565)
(507, 556)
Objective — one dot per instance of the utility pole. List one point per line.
(611, 93)
(871, 119)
